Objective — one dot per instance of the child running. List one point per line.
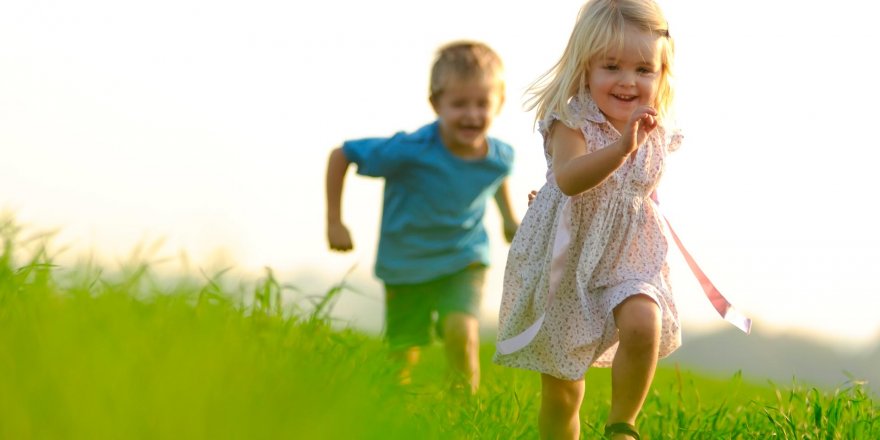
(433, 247)
(586, 281)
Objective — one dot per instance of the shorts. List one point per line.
(412, 311)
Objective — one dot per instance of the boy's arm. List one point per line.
(510, 224)
(337, 234)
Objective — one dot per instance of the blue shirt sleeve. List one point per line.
(375, 157)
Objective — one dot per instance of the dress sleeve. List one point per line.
(673, 138)
(575, 111)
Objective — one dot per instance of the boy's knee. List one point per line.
(461, 329)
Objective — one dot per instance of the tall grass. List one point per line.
(86, 353)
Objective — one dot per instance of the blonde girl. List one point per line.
(586, 281)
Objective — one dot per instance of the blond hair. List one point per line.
(465, 60)
(599, 29)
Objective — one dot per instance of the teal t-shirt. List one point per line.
(433, 204)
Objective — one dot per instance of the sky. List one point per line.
(205, 127)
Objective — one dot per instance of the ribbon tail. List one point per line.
(519, 341)
(557, 267)
(719, 302)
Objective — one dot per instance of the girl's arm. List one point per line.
(337, 233)
(576, 170)
(510, 224)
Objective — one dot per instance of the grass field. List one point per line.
(89, 354)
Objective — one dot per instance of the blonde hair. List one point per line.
(600, 28)
(465, 60)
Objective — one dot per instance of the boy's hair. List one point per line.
(465, 60)
(599, 29)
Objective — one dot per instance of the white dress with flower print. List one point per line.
(592, 251)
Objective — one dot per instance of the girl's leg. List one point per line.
(462, 340)
(639, 324)
(560, 408)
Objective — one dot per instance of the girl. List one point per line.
(586, 281)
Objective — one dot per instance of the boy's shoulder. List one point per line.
(502, 149)
(415, 142)
(425, 134)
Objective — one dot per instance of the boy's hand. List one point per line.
(641, 123)
(339, 237)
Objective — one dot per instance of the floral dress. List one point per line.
(574, 259)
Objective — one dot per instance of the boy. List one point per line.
(433, 247)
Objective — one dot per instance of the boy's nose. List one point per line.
(474, 112)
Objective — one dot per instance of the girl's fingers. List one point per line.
(648, 121)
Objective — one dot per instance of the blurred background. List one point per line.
(205, 126)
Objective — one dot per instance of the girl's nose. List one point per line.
(628, 78)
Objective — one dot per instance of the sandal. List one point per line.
(622, 428)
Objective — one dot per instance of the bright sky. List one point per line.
(208, 124)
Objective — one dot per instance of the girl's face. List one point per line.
(626, 79)
(466, 109)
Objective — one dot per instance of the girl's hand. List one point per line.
(641, 123)
(339, 237)
(532, 195)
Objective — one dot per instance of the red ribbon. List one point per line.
(719, 302)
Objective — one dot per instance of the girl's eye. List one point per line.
(610, 67)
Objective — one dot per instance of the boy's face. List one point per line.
(466, 109)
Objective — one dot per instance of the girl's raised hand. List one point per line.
(641, 123)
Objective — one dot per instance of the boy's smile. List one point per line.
(466, 109)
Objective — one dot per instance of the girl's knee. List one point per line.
(638, 318)
(561, 396)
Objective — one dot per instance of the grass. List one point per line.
(89, 354)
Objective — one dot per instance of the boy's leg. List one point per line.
(405, 359)
(407, 326)
(639, 323)
(459, 297)
(461, 333)
(559, 417)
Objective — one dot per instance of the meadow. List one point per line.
(94, 352)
